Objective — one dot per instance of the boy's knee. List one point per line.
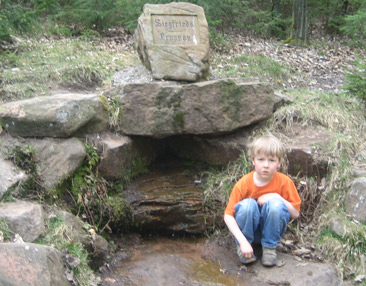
(275, 203)
(245, 205)
(276, 207)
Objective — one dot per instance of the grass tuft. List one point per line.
(61, 236)
(258, 66)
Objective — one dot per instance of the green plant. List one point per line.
(354, 27)
(87, 191)
(113, 106)
(356, 80)
(219, 42)
(138, 167)
(91, 14)
(15, 16)
(5, 230)
(121, 213)
(62, 237)
(47, 7)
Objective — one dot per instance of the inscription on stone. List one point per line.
(176, 30)
(173, 41)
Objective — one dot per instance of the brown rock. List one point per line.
(31, 265)
(211, 107)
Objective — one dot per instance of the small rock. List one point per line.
(360, 278)
(18, 239)
(302, 251)
(72, 260)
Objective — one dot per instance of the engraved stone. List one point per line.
(173, 42)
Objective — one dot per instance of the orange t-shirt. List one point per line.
(245, 188)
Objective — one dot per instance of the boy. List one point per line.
(262, 203)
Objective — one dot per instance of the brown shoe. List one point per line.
(243, 259)
(269, 256)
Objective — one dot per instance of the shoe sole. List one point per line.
(268, 264)
(250, 260)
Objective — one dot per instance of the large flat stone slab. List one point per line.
(211, 107)
(60, 115)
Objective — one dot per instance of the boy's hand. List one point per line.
(266, 197)
(246, 249)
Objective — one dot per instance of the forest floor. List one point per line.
(321, 65)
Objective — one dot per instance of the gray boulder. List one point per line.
(31, 264)
(211, 107)
(57, 159)
(60, 115)
(173, 41)
(24, 218)
(10, 175)
(355, 203)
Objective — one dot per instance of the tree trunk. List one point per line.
(345, 7)
(276, 6)
(299, 30)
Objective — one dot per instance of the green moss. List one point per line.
(121, 213)
(231, 100)
(138, 167)
(179, 120)
(289, 40)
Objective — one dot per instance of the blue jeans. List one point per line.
(262, 225)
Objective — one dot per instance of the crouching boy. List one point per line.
(262, 203)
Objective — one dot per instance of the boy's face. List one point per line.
(266, 166)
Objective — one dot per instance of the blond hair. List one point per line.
(267, 145)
